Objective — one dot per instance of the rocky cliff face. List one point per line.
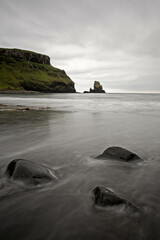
(97, 88)
(27, 55)
(24, 70)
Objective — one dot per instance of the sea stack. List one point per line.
(97, 88)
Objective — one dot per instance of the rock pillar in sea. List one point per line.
(97, 88)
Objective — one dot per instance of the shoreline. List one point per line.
(32, 92)
(7, 107)
(18, 92)
(23, 108)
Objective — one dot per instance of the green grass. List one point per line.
(19, 74)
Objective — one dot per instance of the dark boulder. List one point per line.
(29, 172)
(104, 197)
(118, 153)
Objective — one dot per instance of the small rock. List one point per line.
(29, 172)
(118, 153)
(105, 197)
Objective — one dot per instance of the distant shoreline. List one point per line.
(31, 92)
(36, 92)
(18, 92)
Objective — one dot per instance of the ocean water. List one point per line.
(66, 138)
(127, 103)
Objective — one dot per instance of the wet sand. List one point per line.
(7, 107)
(68, 142)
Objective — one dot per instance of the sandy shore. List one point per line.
(7, 107)
(68, 143)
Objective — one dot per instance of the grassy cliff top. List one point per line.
(27, 70)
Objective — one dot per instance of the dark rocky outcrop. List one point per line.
(22, 70)
(118, 153)
(29, 172)
(104, 197)
(27, 55)
(97, 88)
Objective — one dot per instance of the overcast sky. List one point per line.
(116, 42)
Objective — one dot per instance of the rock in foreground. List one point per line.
(104, 197)
(29, 172)
(118, 153)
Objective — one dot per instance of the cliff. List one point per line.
(25, 70)
(97, 88)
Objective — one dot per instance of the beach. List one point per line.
(65, 132)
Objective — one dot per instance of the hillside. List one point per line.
(25, 70)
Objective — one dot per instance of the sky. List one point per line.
(116, 42)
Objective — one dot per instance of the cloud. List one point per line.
(115, 42)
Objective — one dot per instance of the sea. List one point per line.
(65, 132)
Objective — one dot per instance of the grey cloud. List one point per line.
(116, 42)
